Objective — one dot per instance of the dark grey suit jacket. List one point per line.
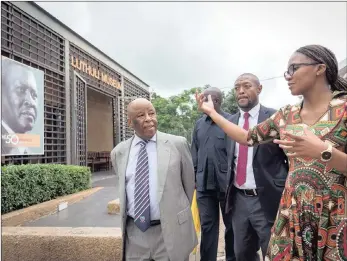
(270, 166)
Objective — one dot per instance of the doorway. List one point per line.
(99, 130)
(92, 129)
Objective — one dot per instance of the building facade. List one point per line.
(32, 36)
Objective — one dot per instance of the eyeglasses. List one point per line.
(294, 67)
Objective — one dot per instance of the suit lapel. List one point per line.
(122, 166)
(124, 155)
(263, 115)
(235, 120)
(122, 163)
(231, 145)
(163, 158)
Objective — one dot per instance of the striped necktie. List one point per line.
(142, 205)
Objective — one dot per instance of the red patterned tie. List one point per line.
(242, 157)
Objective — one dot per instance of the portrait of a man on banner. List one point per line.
(22, 106)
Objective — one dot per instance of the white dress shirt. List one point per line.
(130, 176)
(253, 121)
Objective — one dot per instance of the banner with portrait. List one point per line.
(22, 109)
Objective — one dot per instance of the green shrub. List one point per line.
(30, 184)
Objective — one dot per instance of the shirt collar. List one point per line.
(137, 139)
(253, 112)
(208, 118)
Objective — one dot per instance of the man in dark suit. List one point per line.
(210, 166)
(256, 176)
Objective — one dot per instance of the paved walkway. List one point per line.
(89, 212)
(92, 212)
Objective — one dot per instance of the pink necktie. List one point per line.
(242, 157)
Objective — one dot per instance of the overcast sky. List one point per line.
(177, 46)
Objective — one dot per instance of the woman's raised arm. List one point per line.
(232, 130)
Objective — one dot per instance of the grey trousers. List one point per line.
(144, 246)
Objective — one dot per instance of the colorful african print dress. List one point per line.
(311, 223)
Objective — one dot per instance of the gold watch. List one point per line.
(327, 154)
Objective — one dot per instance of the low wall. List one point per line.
(61, 244)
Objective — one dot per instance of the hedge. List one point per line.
(30, 184)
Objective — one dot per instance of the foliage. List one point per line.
(177, 114)
(230, 103)
(29, 184)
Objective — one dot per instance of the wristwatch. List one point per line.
(327, 154)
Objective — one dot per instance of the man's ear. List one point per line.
(259, 89)
(130, 123)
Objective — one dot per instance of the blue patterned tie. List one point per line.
(142, 211)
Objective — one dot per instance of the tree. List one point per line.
(177, 114)
(229, 102)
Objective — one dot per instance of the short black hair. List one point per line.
(321, 54)
(256, 79)
(217, 90)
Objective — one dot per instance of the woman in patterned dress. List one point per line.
(311, 223)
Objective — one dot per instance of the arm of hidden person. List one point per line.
(187, 170)
(339, 158)
(232, 130)
(252, 137)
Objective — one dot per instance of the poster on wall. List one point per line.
(22, 109)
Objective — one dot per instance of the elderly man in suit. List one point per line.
(156, 185)
(256, 176)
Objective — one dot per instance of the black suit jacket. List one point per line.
(270, 166)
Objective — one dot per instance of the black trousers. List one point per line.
(253, 229)
(208, 204)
